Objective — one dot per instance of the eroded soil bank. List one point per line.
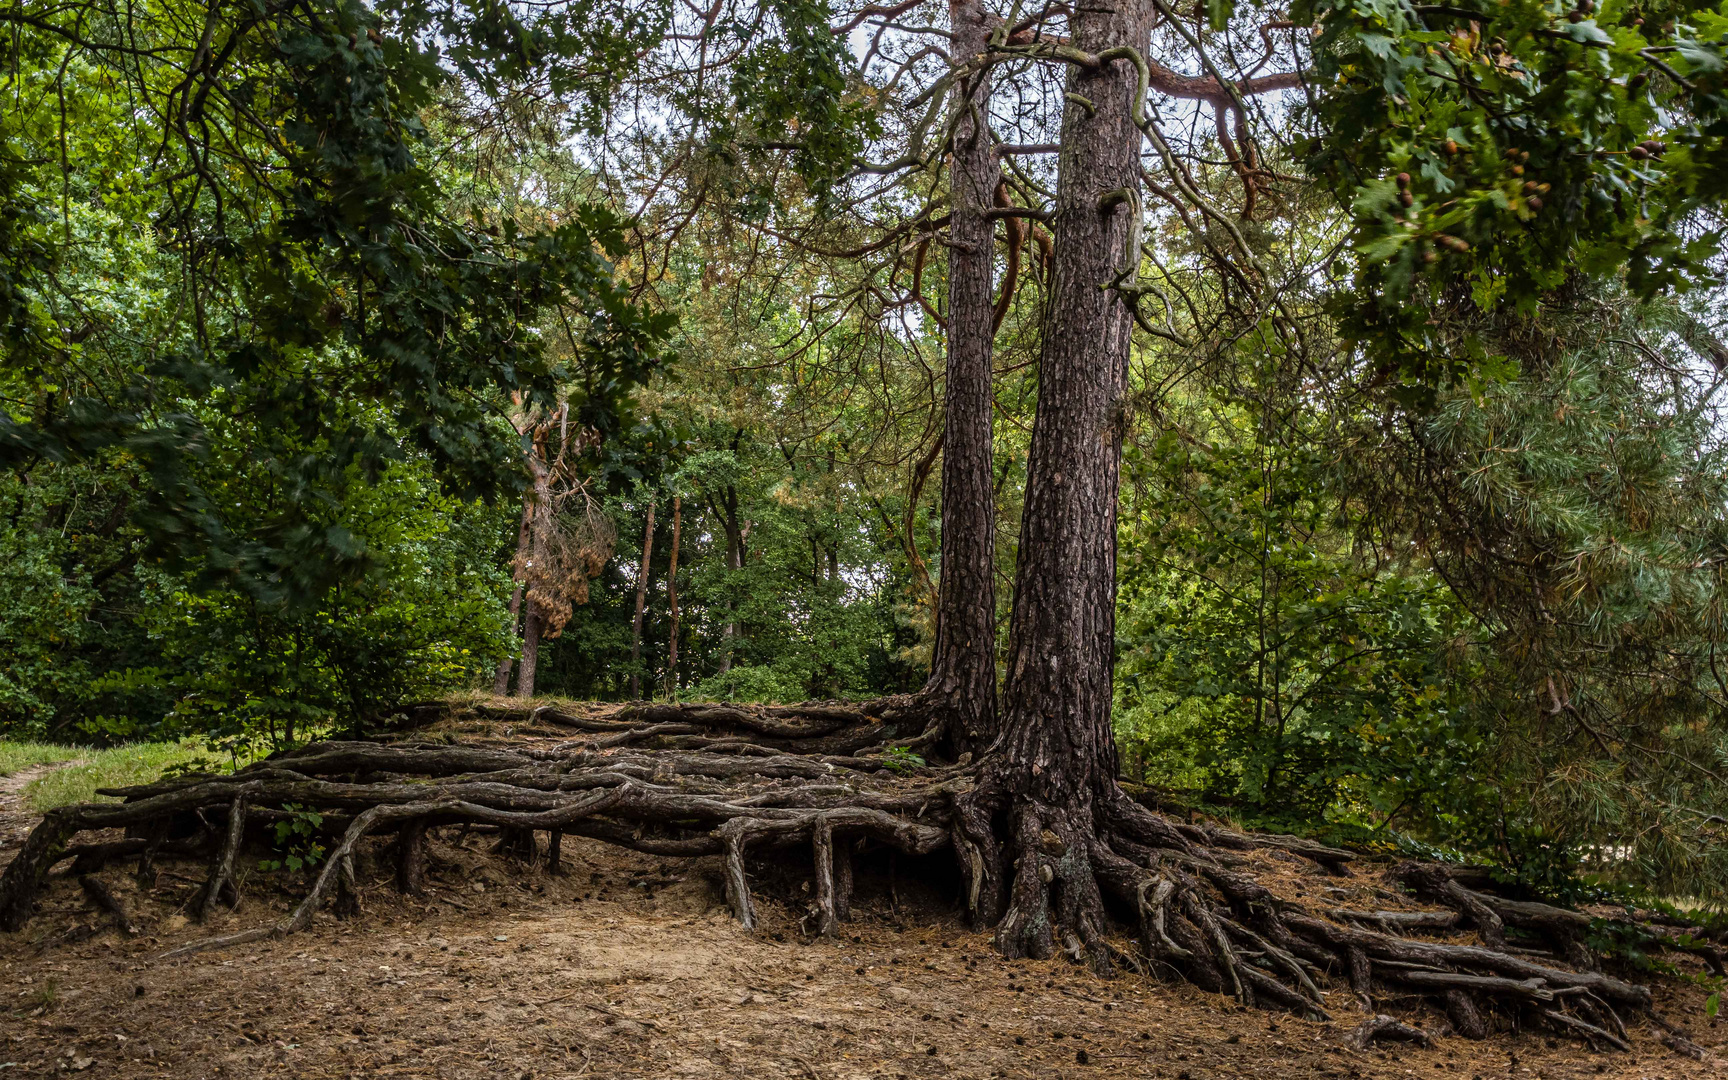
(625, 965)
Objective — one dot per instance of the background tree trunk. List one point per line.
(501, 681)
(963, 668)
(641, 603)
(531, 625)
(727, 513)
(672, 602)
(537, 512)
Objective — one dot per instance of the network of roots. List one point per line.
(1155, 895)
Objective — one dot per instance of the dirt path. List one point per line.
(630, 967)
(17, 819)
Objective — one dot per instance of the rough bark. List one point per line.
(641, 605)
(411, 858)
(1051, 790)
(962, 682)
(539, 503)
(529, 668)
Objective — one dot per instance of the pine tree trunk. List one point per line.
(641, 604)
(963, 669)
(672, 602)
(1053, 779)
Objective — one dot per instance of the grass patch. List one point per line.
(137, 763)
(15, 756)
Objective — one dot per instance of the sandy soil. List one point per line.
(628, 966)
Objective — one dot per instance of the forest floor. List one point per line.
(625, 965)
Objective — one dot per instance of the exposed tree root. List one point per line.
(1385, 1027)
(105, 901)
(1048, 875)
(822, 729)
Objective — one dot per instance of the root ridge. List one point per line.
(677, 780)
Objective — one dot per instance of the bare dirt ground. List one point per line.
(16, 820)
(630, 966)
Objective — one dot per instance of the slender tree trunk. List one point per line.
(672, 602)
(531, 625)
(963, 669)
(501, 681)
(641, 604)
(1053, 783)
(734, 562)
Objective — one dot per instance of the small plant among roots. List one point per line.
(902, 760)
(296, 836)
(1051, 865)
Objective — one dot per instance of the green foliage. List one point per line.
(1490, 150)
(296, 840)
(1268, 664)
(427, 619)
(102, 646)
(790, 570)
(39, 617)
(1488, 629)
(316, 269)
(1591, 499)
(791, 81)
(902, 760)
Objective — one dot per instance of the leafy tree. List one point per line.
(1268, 664)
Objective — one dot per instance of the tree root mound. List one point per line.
(724, 781)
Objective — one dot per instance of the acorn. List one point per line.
(1637, 81)
(1403, 180)
(1534, 202)
(1430, 258)
(1639, 21)
(1638, 153)
(1453, 242)
(1517, 170)
(1529, 187)
(1574, 16)
(1406, 198)
(1450, 146)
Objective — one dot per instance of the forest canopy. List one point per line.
(360, 354)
